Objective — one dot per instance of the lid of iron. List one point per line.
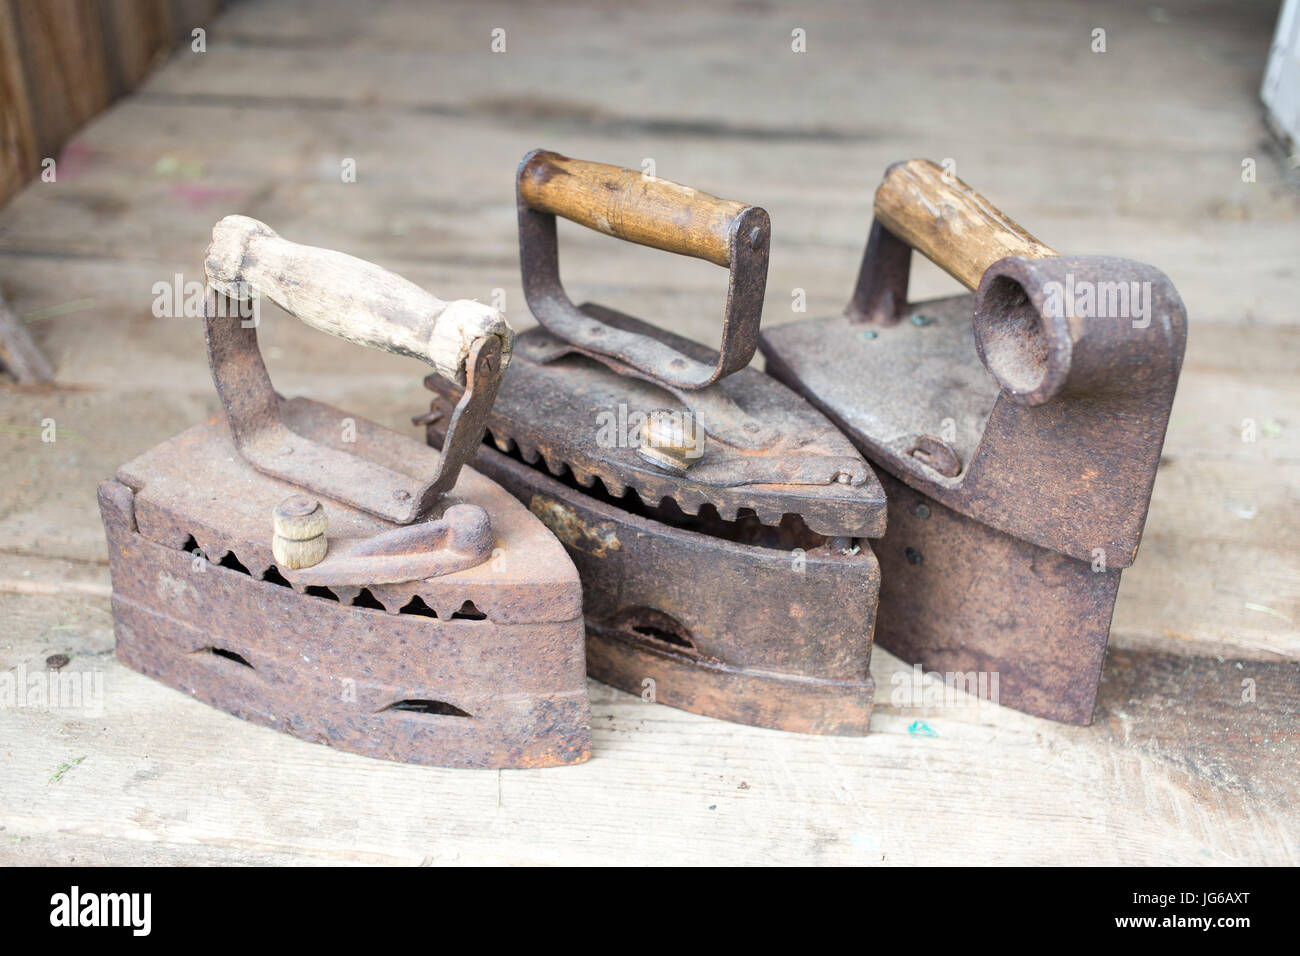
(762, 447)
(605, 395)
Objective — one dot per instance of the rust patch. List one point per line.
(597, 538)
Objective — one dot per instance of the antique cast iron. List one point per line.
(1018, 461)
(714, 542)
(415, 611)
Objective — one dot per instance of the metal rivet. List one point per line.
(913, 556)
(755, 238)
(936, 454)
(923, 510)
(672, 440)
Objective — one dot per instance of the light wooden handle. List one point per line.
(627, 204)
(349, 297)
(954, 226)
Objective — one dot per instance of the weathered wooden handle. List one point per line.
(632, 206)
(954, 226)
(349, 297)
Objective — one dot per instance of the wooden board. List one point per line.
(1135, 152)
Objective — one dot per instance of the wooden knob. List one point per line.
(672, 440)
(299, 524)
(951, 224)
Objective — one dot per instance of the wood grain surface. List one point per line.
(348, 297)
(950, 223)
(1136, 152)
(631, 205)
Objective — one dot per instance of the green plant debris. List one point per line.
(64, 768)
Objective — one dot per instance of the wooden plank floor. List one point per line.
(1135, 152)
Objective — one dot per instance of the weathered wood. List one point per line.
(62, 44)
(17, 133)
(951, 224)
(63, 61)
(18, 353)
(137, 35)
(634, 206)
(349, 297)
(1157, 779)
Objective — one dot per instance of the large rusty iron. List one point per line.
(1017, 433)
(312, 571)
(711, 512)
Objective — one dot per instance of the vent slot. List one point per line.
(232, 563)
(417, 606)
(655, 627)
(228, 655)
(273, 576)
(366, 599)
(438, 708)
(468, 612)
(746, 528)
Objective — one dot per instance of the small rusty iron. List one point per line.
(1019, 470)
(709, 509)
(299, 568)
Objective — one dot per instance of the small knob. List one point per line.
(673, 440)
(299, 525)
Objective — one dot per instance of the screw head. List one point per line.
(673, 440)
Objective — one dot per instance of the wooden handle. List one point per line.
(349, 297)
(627, 204)
(954, 226)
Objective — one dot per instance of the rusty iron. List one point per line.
(640, 351)
(727, 583)
(443, 625)
(263, 440)
(1018, 460)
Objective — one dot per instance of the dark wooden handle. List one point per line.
(627, 204)
(954, 226)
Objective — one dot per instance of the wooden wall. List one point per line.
(62, 61)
